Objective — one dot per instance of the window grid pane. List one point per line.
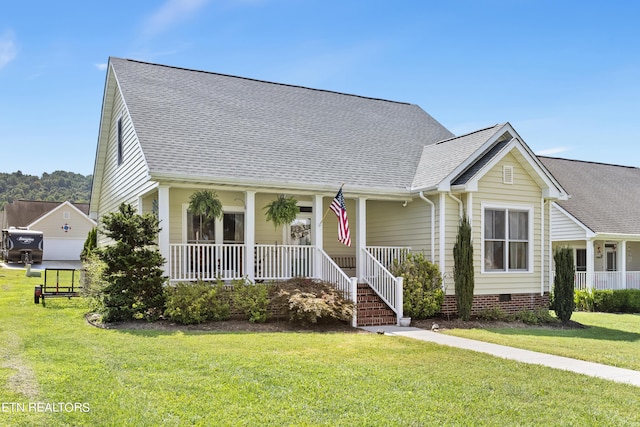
(498, 247)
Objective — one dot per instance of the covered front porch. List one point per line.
(243, 244)
(608, 263)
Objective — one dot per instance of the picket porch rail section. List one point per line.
(209, 262)
(604, 280)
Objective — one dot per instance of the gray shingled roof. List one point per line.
(439, 160)
(21, 213)
(605, 198)
(202, 124)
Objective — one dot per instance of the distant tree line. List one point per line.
(58, 186)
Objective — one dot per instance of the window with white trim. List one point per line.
(506, 239)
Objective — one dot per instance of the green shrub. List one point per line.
(618, 301)
(93, 283)
(563, 283)
(251, 299)
(583, 299)
(535, 317)
(133, 267)
(312, 301)
(190, 303)
(493, 313)
(422, 287)
(463, 275)
(90, 244)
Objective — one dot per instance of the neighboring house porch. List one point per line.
(600, 222)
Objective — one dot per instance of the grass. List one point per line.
(611, 339)
(151, 378)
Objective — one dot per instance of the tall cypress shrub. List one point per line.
(563, 284)
(463, 269)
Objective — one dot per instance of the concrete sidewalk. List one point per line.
(611, 373)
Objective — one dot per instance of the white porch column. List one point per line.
(250, 234)
(623, 263)
(590, 263)
(317, 211)
(163, 216)
(361, 234)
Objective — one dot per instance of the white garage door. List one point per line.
(62, 249)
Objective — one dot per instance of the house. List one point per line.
(65, 225)
(600, 221)
(166, 132)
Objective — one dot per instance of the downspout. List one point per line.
(542, 203)
(433, 225)
(460, 205)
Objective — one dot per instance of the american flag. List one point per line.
(338, 207)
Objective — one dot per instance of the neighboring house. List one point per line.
(64, 225)
(166, 132)
(600, 221)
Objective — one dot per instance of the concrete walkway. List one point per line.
(611, 373)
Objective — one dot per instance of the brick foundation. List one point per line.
(510, 304)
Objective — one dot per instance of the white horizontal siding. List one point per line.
(564, 227)
(126, 182)
(523, 192)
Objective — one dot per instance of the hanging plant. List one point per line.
(282, 211)
(206, 205)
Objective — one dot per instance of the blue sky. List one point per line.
(565, 74)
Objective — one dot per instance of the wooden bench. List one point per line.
(57, 285)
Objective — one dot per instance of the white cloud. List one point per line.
(169, 14)
(550, 151)
(8, 49)
(101, 67)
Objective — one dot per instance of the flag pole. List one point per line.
(325, 214)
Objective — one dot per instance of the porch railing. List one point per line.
(284, 261)
(331, 272)
(206, 261)
(387, 254)
(633, 279)
(604, 280)
(388, 287)
(192, 261)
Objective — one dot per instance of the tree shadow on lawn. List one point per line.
(589, 332)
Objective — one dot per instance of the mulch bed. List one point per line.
(224, 326)
(283, 326)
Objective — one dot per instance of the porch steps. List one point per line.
(372, 311)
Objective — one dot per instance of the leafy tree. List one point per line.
(563, 284)
(133, 268)
(463, 275)
(57, 186)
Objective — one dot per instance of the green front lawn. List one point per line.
(151, 378)
(612, 339)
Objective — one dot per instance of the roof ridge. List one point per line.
(590, 162)
(469, 133)
(263, 81)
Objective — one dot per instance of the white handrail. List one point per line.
(382, 282)
(330, 272)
